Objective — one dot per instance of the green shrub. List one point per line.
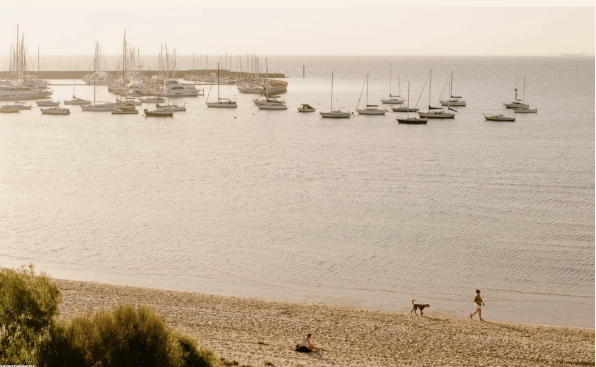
(123, 336)
(185, 353)
(28, 304)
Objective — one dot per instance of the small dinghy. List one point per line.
(9, 109)
(306, 108)
(47, 103)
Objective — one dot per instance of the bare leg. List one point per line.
(475, 312)
(480, 314)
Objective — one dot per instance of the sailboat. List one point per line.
(525, 109)
(75, 100)
(393, 99)
(221, 102)
(336, 114)
(517, 103)
(453, 100)
(269, 103)
(371, 109)
(412, 120)
(435, 112)
(102, 107)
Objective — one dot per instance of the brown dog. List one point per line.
(418, 306)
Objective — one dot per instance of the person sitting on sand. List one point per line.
(306, 346)
(479, 303)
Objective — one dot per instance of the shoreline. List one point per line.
(253, 331)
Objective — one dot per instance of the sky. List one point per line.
(308, 27)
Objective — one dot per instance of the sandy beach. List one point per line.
(258, 332)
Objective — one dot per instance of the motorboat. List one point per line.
(158, 113)
(77, 101)
(9, 109)
(125, 111)
(172, 88)
(55, 111)
(370, 109)
(335, 114)
(525, 110)
(47, 103)
(152, 100)
(499, 117)
(21, 92)
(306, 108)
(412, 120)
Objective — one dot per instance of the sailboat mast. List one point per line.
(218, 82)
(524, 92)
(367, 90)
(408, 99)
(390, 79)
(429, 87)
(331, 90)
(451, 85)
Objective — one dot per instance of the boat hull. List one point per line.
(221, 105)
(499, 118)
(55, 111)
(335, 115)
(516, 105)
(275, 107)
(455, 104)
(525, 110)
(404, 109)
(306, 110)
(159, 113)
(392, 101)
(371, 112)
(441, 115)
(412, 121)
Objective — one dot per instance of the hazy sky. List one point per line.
(300, 28)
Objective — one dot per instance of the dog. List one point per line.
(418, 306)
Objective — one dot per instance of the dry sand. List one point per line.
(253, 331)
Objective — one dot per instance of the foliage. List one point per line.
(28, 304)
(123, 336)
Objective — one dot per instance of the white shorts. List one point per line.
(478, 305)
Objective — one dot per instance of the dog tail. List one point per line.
(413, 300)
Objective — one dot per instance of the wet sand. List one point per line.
(254, 332)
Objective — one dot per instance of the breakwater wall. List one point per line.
(78, 74)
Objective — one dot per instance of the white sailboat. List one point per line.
(393, 99)
(334, 114)
(517, 103)
(499, 117)
(221, 102)
(370, 109)
(436, 112)
(525, 109)
(453, 100)
(411, 120)
(102, 107)
(269, 103)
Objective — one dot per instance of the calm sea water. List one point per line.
(288, 206)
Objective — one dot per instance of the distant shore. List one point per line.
(253, 331)
(78, 74)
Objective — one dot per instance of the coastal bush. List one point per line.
(28, 305)
(123, 336)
